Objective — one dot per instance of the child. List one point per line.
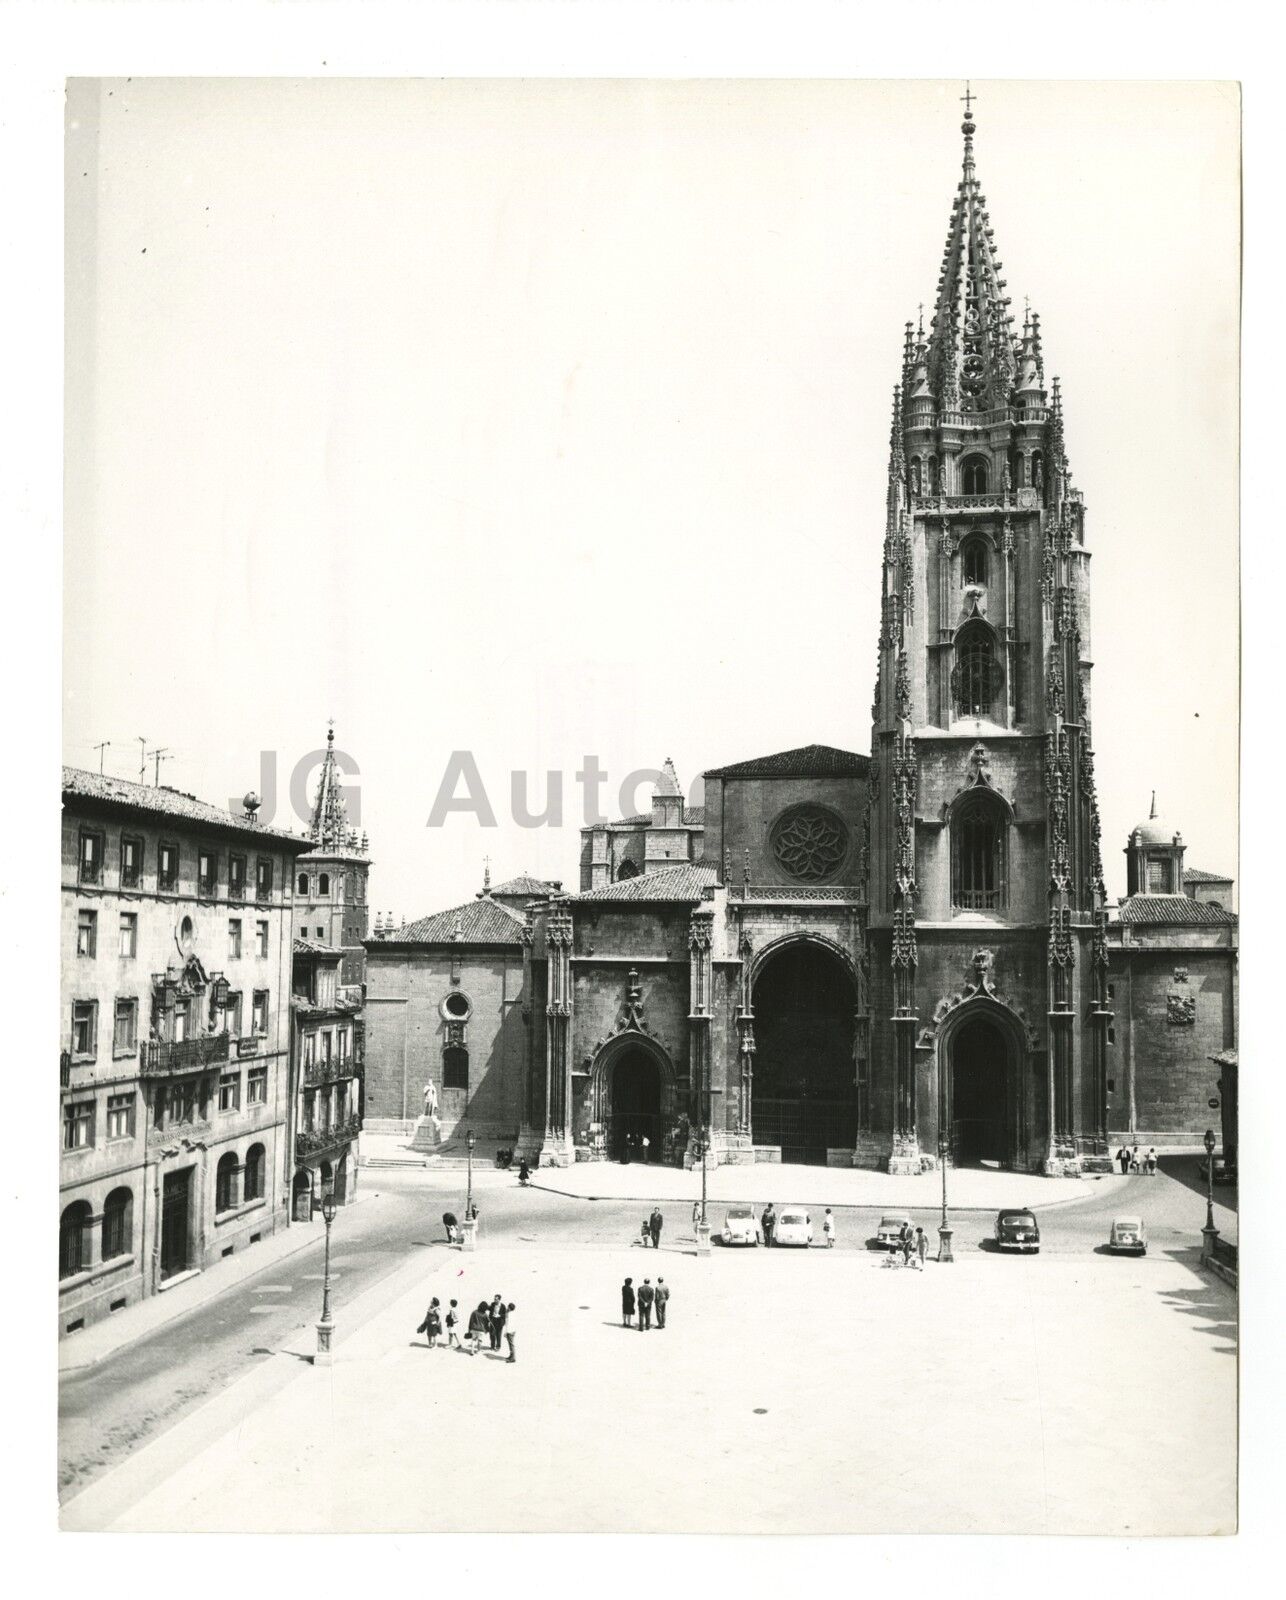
(645, 1234)
(828, 1228)
(453, 1325)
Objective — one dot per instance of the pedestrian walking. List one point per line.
(828, 1229)
(646, 1296)
(768, 1222)
(1134, 1158)
(433, 1321)
(510, 1331)
(1150, 1164)
(452, 1226)
(496, 1321)
(907, 1242)
(661, 1300)
(646, 1143)
(1123, 1157)
(627, 1303)
(453, 1326)
(654, 1227)
(922, 1246)
(696, 1215)
(479, 1324)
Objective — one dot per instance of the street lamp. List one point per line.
(470, 1141)
(1209, 1233)
(944, 1227)
(325, 1328)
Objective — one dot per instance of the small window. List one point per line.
(91, 857)
(118, 1224)
(167, 867)
(73, 1239)
(974, 475)
(303, 884)
(236, 877)
(1111, 1039)
(234, 938)
(978, 855)
(263, 879)
(323, 883)
(973, 561)
(455, 1067)
(125, 1032)
(261, 939)
(310, 1050)
(207, 872)
(129, 935)
(1159, 881)
(257, 1086)
(256, 1163)
(321, 935)
(131, 862)
(457, 1005)
(120, 1116)
(87, 933)
(225, 1183)
(628, 868)
(84, 1029)
(78, 1125)
(230, 1091)
(260, 1022)
(232, 1012)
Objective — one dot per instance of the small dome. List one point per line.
(1154, 831)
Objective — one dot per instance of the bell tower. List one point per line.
(984, 822)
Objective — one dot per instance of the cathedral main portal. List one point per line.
(804, 1099)
(634, 1127)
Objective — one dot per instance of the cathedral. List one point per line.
(885, 960)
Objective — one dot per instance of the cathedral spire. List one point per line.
(330, 812)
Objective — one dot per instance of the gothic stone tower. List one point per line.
(987, 923)
(332, 879)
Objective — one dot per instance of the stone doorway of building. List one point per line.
(636, 1108)
(804, 1097)
(176, 1223)
(301, 1196)
(980, 1123)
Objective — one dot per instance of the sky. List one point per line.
(544, 420)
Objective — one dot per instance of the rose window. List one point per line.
(810, 843)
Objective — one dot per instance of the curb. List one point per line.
(842, 1205)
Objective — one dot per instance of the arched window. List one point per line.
(255, 1164)
(973, 560)
(455, 1067)
(323, 883)
(978, 844)
(974, 475)
(73, 1239)
(118, 1224)
(628, 868)
(225, 1183)
(975, 680)
(303, 883)
(917, 476)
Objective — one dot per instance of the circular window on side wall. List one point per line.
(809, 843)
(457, 1007)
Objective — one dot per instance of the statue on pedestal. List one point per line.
(430, 1100)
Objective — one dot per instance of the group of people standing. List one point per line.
(1131, 1160)
(912, 1246)
(494, 1323)
(644, 1300)
(651, 1230)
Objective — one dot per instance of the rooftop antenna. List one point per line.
(100, 748)
(162, 753)
(142, 758)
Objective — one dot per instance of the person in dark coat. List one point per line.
(450, 1223)
(768, 1222)
(496, 1321)
(479, 1324)
(661, 1299)
(646, 1296)
(1123, 1156)
(654, 1227)
(627, 1303)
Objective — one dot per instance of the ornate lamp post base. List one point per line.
(703, 1238)
(944, 1244)
(1208, 1237)
(469, 1234)
(324, 1358)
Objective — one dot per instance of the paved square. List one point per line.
(792, 1392)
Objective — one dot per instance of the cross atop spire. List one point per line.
(968, 97)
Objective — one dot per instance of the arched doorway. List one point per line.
(301, 1193)
(982, 1089)
(635, 1116)
(804, 1094)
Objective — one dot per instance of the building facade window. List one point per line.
(120, 1116)
(84, 1029)
(207, 873)
(236, 877)
(310, 1049)
(975, 680)
(263, 879)
(73, 1239)
(90, 867)
(167, 867)
(125, 1028)
(257, 1086)
(225, 1183)
(1160, 880)
(87, 933)
(303, 884)
(131, 862)
(323, 883)
(230, 1091)
(973, 561)
(974, 475)
(234, 938)
(128, 935)
(978, 851)
(455, 1067)
(259, 1022)
(232, 1012)
(78, 1125)
(256, 1166)
(118, 1224)
(261, 939)
(629, 868)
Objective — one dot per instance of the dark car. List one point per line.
(1016, 1230)
(1224, 1174)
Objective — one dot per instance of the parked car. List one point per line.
(793, 1227)
(1224, 1174)
(1016, 1230)
(741, 1226)
(1128, 1234)
(888, 1235)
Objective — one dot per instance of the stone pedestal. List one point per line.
(904, 1158)
(703, 1238)
(869, 1152)
(427, 1136)
(469, 1234)
(944, 1244)
(324, 1357)
(1208, 1237)
(1061, 1161)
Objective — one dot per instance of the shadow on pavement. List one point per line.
(1187, 1171)
(1208, 1303)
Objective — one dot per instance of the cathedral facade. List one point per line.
(884, 960)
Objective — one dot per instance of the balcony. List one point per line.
(316, 1141)
(159, 1058)
(319, 1072)
(64, 1069)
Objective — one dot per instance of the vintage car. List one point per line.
(889, 1233)
(794, 1227)
(1224, 1174)
(1016, 1230)
(740, 1226)
(1128, 1234)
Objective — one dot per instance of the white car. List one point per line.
(740, 1226)
(793, 1228)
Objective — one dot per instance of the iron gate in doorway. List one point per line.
(806, 1127)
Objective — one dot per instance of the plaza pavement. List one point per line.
(800, 1392)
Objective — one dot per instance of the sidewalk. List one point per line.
(104, 1338)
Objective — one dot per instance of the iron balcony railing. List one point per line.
(159, 1057)
(312, 1141)
(349, 1066)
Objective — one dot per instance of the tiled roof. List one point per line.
(478, 922)
(164, 801)
(1157, 909)
(525, 884)
(310, 947)
(1195, 875)
(693, 817)
(686, 882)
(809, 761)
